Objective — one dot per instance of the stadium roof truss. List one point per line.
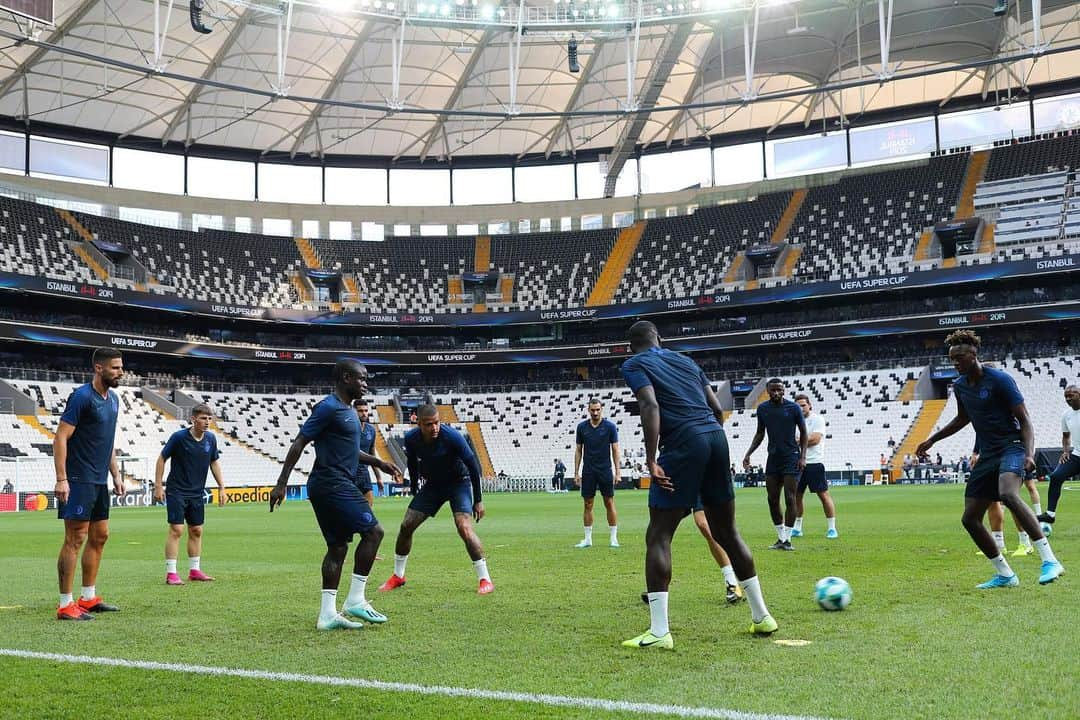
(459, 78)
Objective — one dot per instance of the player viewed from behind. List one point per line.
(813, 475)
(787, 458)
(84, 457)
(367, 447)
(340, 509)
(193, 452)
(1069, 462)
(733, 593)
(687, 455)
(989, 399)
(442, 456)
(596, 454)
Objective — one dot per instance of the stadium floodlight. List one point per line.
(571, 55)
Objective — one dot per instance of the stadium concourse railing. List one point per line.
(194, 383)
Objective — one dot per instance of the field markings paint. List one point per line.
(653, 709)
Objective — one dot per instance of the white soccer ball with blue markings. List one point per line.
(1047, 529)
(832, 593)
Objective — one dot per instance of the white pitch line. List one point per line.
(469, 693)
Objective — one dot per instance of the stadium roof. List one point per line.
(360, 77)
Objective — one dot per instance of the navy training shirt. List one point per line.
(989, 404)
(596, 444)
(679, 385)
(448, 459)
(90, 448)
(190, 460)
(335, 429)
(780, 421)
(367, 445)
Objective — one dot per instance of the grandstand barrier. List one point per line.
(720, 341)
(780, 293)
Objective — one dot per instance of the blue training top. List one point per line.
(90, 448)
(191, 461)
(989, 404)
(367, 444)
(448, 459)
(780, 420)
(679, 385)
(335, 429)
(596, 444)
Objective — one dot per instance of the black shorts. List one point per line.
(782, 464)
(591, 481)
(86, 501)
(180, 509)
(700, 469)
(342, 512)
(983, 481)
(813, 477)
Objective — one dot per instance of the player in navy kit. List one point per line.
(787, 458)
(367, 446)
(598, 447)
(194, 453)
(989, 399)
(339, 507)
(681, 420)
(451, 472)
(84, 457)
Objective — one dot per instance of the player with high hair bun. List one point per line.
(989, 399)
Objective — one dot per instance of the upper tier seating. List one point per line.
(1034, 158)
(552, 270)
(400, 273)
(32, 238)
(689, 255)
(870, 224)
(213, 265)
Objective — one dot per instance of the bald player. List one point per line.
(686, 452)
(340, 508)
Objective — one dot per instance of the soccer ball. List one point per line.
(1047, 529)
(832, 593)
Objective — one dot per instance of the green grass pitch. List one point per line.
(918, 641)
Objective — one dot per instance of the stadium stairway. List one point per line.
(506, 288)
(80, 250)
(308, 254)
(976, 171)
(382, 450)
(447, 414)
(32, 421)
(783, 227)
(733, 272)
(922, 250)
(477, 435)
(350, 286)
(603, 293)
(987, 245)
(301, 287)
(907, 393)
(482, 254)
(388, 414)
(454, 289)
(921, 429)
